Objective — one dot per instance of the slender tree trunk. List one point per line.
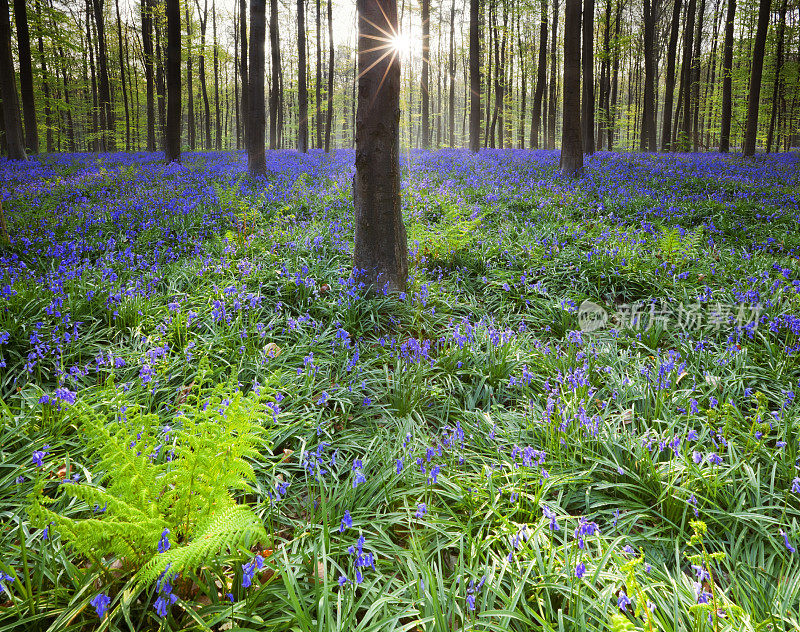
(201, 60)
(571, 142)
(424, 80)
(26, 76)
(172, 145)
(474, 75)
(538, 91)
(727, 81)
(669, 91)
(161, 88)
(190, 118)
(380, 255)
(318, 85)
(777, 87)
(147, 46)
(122, 80)
(331, 51)
(686, 81)
(756, 71)
(95, 144)
(302, 82)
(275, 81)
(451, 71)
(218, 119)
(106, 105)
(68, 108)
(696, 76)
(551, 109)
(15, 141)
(647, 142)
(256, 156)
(612, 105)
(587, 62)
(243, 70)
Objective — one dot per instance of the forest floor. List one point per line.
(581, 416)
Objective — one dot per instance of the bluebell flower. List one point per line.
(421, 510)
(38, 456)
(580, 570)
(623, 601)
(786, 542)
(163, 543)
(347, 521)
(100, 604)
(796, 485)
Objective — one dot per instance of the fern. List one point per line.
(679, 248)
(155, 478)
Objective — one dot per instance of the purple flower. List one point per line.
(163, 543)
(623, 601)
(38, 455)
(347, 521)
(421, 510)
(580, 570)
(786, 542)
(100, 604)
(550, 515)
(796, 485)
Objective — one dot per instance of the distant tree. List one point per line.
(686, 79)
(26, 76)
(331, 51)
(587, 62)
(256, 157)
(275, 87)
(108, 139)
(425, 79)
(553, 87)
(777, 85)
(8, 89)
(172, 133)
(318, 84)
(474, 75)
(669, 91)
(147, 50)
(201, 59)
(571, 142)
(302, 81)
(756, 72)
(647, 141)
(380, 256)
(727, 80)
(190, 118)
(243, 69)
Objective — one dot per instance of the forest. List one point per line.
(399, 315)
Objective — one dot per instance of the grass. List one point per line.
(134, 286)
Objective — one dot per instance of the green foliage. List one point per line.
(679, 248)
(442, 231)
(155, 478)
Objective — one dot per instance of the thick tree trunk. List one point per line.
(647, 142)
(8, 89)
(474, 75)
(727, 80)
(147, 51)
(172, 144)
(275, 81)
(161, 88)
(571, 142)
(538, 92)
(302, 81)
(756, 72)
(587, 62)
(256, 156)
(380, 255)
(26, 76)
(777, 87)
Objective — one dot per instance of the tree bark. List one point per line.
(302, 81)
(669, 92)
(329, 112)
(172, 144)
(686, 81)
(109, 141)
(275, 81)
(190, 118)
(777, 87)
(318, 84)
(727, 80)
(696, 76)
(217, 115)
(647, 141)
(8, 89)
(26, 76)
(122, 80)
(756, 72)
(380, 256)
(538, 91)
(243, 69)
(451, 71)
(147, 47)
(474, 75)
(571, 142)
(587, 62)
(203, 16)
(256, 156)
(424, 80)
(551, 109)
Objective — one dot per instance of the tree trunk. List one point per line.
(26, 76)
(587, 62)
(756, 72)
(172, 144)
(647, 142)
(203, 16)
(571, 142)
(551, 109)
(424, 80)
(380, 255)
(190, 119)
(147, 46)
(777, 87)
(538, 91)
(727, 81)
(696, 75)
(95, 142)
(672, 47)
(302, 82)
(686, 78)
(106, 107)
(474, 75)
(451, 68)
(318, 85)
(243, 70)
(122, 80)
(329, 113)
(256, 156)
(8, 89)
(218, 119)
